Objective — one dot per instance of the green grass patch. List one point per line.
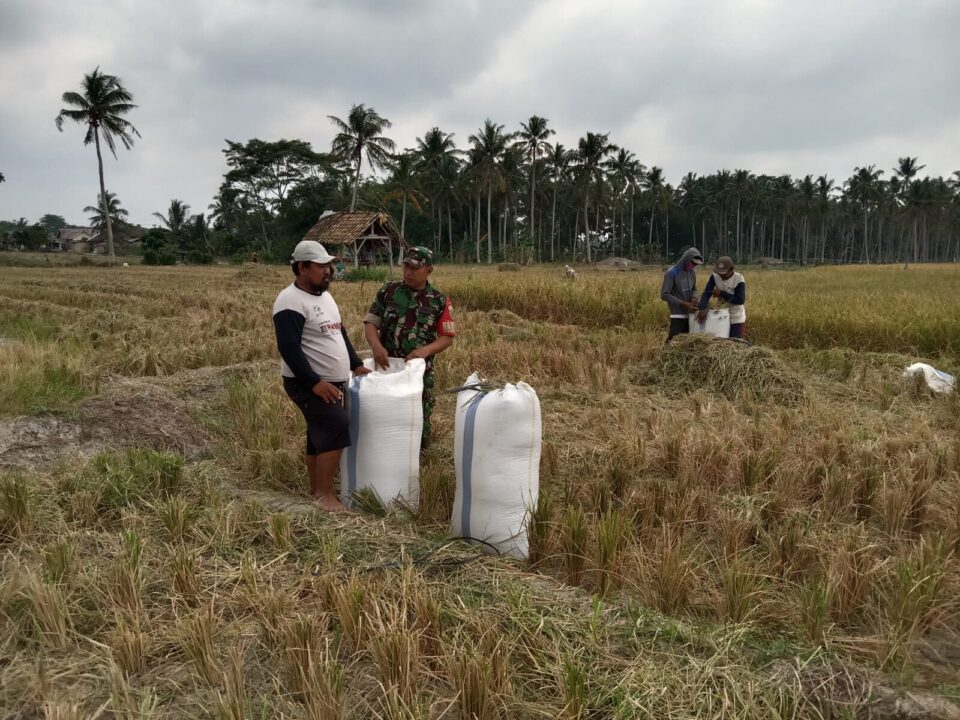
(35, 390)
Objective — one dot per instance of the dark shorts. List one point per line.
(678, 326)
(328, 425)
(736, 330)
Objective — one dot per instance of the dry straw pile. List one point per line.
(732, 369)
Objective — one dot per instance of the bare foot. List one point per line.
(330, 503)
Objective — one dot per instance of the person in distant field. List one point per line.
(339, 271)
(412, 319)
(730, 287)
(317, 359)
(679, 286)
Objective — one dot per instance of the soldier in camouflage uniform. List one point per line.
(412, 319)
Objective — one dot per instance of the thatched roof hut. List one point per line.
(362, 236)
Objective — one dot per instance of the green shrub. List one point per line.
(125, 478)
(367, 274)
(159, 256)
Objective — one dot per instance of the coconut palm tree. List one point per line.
(533, 137)
(653, 183)
(592, 149)
(362, 132)
(446, 185)
(558, 161)
(431, 153)
(824, 189)
(739, 188)
(106, 214)
(687, 191)
(176, 219)
(489, 145)
(625, 170)
(101, 106)
(404, 185)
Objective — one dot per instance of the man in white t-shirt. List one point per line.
(317, 359)
(729, 286)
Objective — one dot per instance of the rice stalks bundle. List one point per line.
(732, 369)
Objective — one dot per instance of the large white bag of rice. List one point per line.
(717, 323)
(497, 454)
(386, 422)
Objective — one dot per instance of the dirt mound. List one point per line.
(130, 412)
(253, 272)
(621, 263)
(142, 414)
(31, 441)
(727, 367)
(506, 317)
(833, 686)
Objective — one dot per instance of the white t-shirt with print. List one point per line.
(322, 340)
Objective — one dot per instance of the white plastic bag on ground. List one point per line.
(937, 380)
(497, 454)
(386, 422)
(717, 323)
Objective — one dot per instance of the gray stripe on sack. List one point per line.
(467, 464)
(354, 438)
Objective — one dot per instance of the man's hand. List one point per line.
(702, 317)
(362, 370)
(380, 357)
(419, 353)
(327, 392)
(692, 306)
(716, 292)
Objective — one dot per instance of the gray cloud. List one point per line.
(777, 87)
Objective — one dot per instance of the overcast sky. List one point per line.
(775, 86)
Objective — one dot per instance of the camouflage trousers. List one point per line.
(429, 399)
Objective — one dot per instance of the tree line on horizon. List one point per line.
(518, 195)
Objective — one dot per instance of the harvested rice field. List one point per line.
(724, 531)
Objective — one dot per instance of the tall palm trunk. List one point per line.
(586, 227)
(436, 245)
(103, 195)
(650, 239)
(478, 225)
(574, 229)
(450, 231)
(738, 228)
(866, 244)
(403, 216)
(667, 241)
(553, 221)
(823, 239)
(533, 190)
(356, 181)
(489, 225)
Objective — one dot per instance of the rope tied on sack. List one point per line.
(484, 386)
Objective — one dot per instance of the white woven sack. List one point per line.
(717, 323)
(497, 449)
(386, 422)
(936, 380)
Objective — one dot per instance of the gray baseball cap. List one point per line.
(723, 264)
(311, 251)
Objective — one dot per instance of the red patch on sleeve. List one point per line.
(446, 325)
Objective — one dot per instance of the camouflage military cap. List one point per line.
(418, 256)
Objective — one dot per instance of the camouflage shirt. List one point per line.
(409, 319)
